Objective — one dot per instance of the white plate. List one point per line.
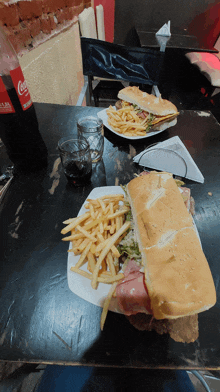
(103, 115)
(80, 285)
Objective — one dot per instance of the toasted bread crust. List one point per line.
(177, 274)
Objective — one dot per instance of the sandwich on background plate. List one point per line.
(147, 106)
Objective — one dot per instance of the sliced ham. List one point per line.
(142, 115)
(131, 292)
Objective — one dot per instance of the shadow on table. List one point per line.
(120, 344)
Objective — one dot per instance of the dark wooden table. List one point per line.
(41, 320)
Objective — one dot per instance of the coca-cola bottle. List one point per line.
(18, 122)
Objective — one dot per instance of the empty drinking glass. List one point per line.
(91, 128)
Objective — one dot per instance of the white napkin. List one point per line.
(165, 30)
(171, 156)
(100, 22)
(87, 23)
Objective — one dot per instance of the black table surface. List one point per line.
(41, 319)
(178, 40)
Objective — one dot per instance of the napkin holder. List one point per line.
(168, 151)
(172, 156)
(164, 31)
(163, 35)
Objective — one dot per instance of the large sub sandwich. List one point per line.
(177, 282)
(155, 109)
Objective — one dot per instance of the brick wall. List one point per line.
(28, 23)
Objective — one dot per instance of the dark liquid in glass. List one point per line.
(78, 175)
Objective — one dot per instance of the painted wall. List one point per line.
(53, 70)
(109, 17)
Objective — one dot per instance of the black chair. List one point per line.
(112, 64)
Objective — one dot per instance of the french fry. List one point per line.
(116, 263)
(101, 227)
(75, 245)
(101, 279)
(83, 255)
(118, 223)
(91, 208)
(93, 248)
(118, 196)
(95, 222)
(104, 252)
(113, 225)
(104, 267)
(102, 204)
(118, 213)
(115, 251)
(75, 223)
(73, 237)
(83, 244)
(91, 261)
(110, 263)
(103, 243)
(67, 221)
(86, 233)
(75, 251)
(106, 305)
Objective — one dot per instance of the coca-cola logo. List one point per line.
(22, 87)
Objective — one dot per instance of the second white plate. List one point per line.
(103, 115)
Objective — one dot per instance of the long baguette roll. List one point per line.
(177, 274)
(147, 102)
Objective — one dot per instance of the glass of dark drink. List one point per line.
(76, 160)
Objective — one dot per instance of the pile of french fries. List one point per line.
(95, 236)
(125, 121)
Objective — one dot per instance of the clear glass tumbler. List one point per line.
(91, 128)
(76, 160)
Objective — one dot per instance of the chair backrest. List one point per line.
(87, 23)
(100, 22)
(113, 61)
